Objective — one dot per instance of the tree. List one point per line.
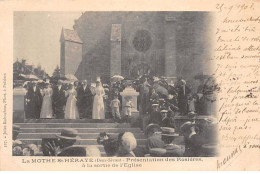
(56, 72)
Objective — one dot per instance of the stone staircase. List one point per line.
(34, 130)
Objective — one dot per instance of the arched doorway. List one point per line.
(140, 70)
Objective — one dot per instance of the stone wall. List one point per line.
(189, 32)
(72, 57)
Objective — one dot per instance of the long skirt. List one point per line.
(71, 110)
(98, 108)
(46, 111)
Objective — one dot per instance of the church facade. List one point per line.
(171, 44)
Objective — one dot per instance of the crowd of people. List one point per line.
(81, 100)
(64, 101)
(193, 140)
(159, 103)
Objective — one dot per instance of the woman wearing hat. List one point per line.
(71, 109)
(127, 143)
(98, 104)
(46, 111)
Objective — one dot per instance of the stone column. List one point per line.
(18, 105)
(115, 59)
(170, 46)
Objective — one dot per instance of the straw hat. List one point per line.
(164, 111)
(151, 127)
(69, 134)
(168, 131)
(187, 125)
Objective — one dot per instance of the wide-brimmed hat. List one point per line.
(151, 127)
(168, 131)
(68, 133)
(164, 111)
(186, 125)
(155, 104)
(16, 128)
(192, 114)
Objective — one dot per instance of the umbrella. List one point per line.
(71, 77)
(160, 89)
(117, 77)
(29, 76)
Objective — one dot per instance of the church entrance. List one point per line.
(140, 70)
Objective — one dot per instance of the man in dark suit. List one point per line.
(183, 97)
(59, 100)
(155, 116)
(84, 100)
(200, 142)
(34, 102)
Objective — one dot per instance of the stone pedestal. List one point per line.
(19, 105)
(130, 92)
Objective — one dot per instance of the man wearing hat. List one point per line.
(154, 138)
(199, 142)
(168, 136)
(183, 97)
(34, 102)
(155, 116)
(85, 100)
(67, 138)
(59, 100)
(170, 149)
(167, 119)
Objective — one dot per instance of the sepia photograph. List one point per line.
(114, 84)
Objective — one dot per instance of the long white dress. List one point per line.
(71, 110)
(98, 104)
(46, 110)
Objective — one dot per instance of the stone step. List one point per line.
(68, 121)
(73, 125)
(82, 135)
(79, 142)
(81, 130)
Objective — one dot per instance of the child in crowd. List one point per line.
(115, 104)
(127, 109)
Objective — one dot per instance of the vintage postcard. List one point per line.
(118, 85)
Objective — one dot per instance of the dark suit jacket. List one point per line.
(35, 103)
(84, 97)
(156, 118)
(58, 97)
(183, 99)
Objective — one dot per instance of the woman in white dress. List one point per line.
(46, 110)
(98, 104)
(71, 110)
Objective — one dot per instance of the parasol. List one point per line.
(117, 78)
(29, 76)
(71, 77)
